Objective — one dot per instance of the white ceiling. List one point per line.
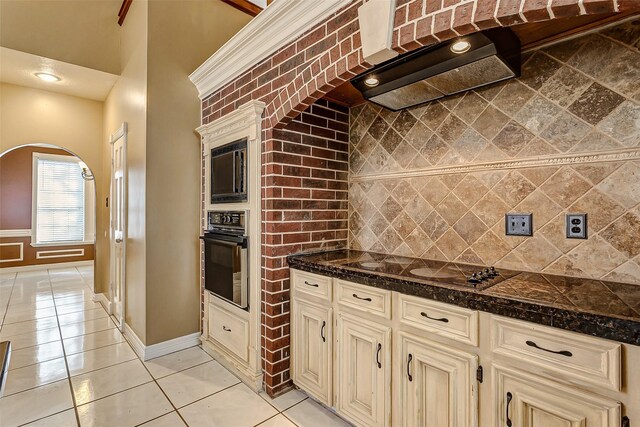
(19, 68)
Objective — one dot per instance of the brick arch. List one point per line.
(418, 23)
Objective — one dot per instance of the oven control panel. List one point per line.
(231, 219)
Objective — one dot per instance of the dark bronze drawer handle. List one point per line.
(224, 328)
(509, 397)
(360, 298)
(409, 359)
(315, 285)
(562, 352)
(440, 319)
(378, 356)
(324, 323)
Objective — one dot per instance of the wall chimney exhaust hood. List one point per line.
(445, 69)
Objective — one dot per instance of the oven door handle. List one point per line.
(241, 241)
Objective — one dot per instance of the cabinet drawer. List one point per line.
(229, 330)
(364, 298)
(311, 284)
(449, 321)
(560, 355)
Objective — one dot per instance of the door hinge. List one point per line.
(625, 422)
(479, 373)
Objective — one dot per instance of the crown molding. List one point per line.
(617, 155)
(246, 119)
(275, 27)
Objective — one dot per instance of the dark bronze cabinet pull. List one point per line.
(437, 319)
(409, 359)
(509, 397)
(322, 331)
(378, 356)
(561, 352)
(224, 328)
(315, 285)
(363, 299)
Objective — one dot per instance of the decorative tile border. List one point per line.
(533, 162)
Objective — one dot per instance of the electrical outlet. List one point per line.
(576, 226)
(519, 224)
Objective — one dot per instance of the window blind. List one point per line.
(60, 201)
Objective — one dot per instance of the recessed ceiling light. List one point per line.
(48, 77)
(461, 46)
(371, 81)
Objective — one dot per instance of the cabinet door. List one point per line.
(522, 400)
(436, 383)
(364, 371)
(311, 349)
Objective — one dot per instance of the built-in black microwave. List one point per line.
(229, 172)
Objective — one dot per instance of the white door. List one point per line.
(522, 400)
(437, 384)
(311, 355)
(118, 214)
(364, 371)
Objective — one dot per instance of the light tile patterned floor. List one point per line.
(71, 366)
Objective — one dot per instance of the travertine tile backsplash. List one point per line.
(436, 181)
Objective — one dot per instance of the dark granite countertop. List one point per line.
(603, 309)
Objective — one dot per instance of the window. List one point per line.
(59, 199)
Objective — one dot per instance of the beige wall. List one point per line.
(29, 116)
(162, 43)
(84, 33)
(127, 102)
(182, 35)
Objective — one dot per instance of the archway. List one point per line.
(47, 213)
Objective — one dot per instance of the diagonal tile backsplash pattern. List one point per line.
(574, 100)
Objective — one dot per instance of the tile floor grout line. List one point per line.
(91, 349)
(66, 363)
(185, 369)
(33, 364)
(40, 385)
(13, 285)
(53, 327)
(98, 369)
(43, 418)
(160, 416)
(61, 339)
(158, 385)
(115, 393)
(209, 395)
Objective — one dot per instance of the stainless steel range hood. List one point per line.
(445, 69)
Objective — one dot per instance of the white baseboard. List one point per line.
(171, 346)
(104, 300)
(45, 266)
(162, 348)
(135, 342)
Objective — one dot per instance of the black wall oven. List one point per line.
(226, 257)
(228, 173)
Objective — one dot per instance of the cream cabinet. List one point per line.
(437, 385)
(523, 400)
(312, 339)
(363, 371)
(384, 359)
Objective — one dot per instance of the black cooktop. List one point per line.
(450, 273)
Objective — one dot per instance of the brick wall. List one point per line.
(296, 76)
(305, 187)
